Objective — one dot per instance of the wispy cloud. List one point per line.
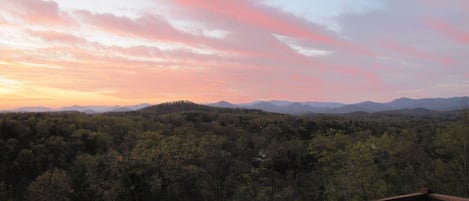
(237, 50)
(451, 31)
(35, 12)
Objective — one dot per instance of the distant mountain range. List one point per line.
(287, 107)
(84, 109)
(404, 105)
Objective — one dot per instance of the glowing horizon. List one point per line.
(109, 52)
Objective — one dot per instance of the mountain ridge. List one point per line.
(289, 107)
(403, 103)
(93, 109)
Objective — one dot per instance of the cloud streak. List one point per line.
(232, 50)
(449, 30)
(36, 12)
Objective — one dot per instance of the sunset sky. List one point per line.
(120, 52)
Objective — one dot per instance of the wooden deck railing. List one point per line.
(438, 197)
(424, 196)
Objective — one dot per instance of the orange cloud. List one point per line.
(55, 36)
(52, 54)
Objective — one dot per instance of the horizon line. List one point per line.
(207, 103)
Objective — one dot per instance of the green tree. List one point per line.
(52, 185)
(452, 164)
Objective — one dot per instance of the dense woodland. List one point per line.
(182, 151)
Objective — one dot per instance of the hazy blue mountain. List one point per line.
(409, 112)
(407, 105)
(121, 109)
(89, 109)
(138, 107)
(103, 109)
(32, 109)
(279, 102)
(291, 108)
(224, 104)
(288, 107)
(266, 106)
(130, 108)
(402, 102)
(437, 104)
(298, 108)
(324, 104)
(84, 109)
(367, 106)
(285, 107)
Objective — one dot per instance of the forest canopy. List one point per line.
(184, 151)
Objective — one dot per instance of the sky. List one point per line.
(119, 52)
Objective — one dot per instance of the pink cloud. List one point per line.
(247, 63)
(270, 20)
(37, 11)
(270, 81)
(56, 36)
(449, 30)
(420, 54)
(158, 29)
(148, 26)
(259, 58)
(273, 21)
(246, 42)
(84, 49)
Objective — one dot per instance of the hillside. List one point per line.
(184, 151)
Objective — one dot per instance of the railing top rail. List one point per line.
(439, 197)
(408, 197)
(424, 196)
